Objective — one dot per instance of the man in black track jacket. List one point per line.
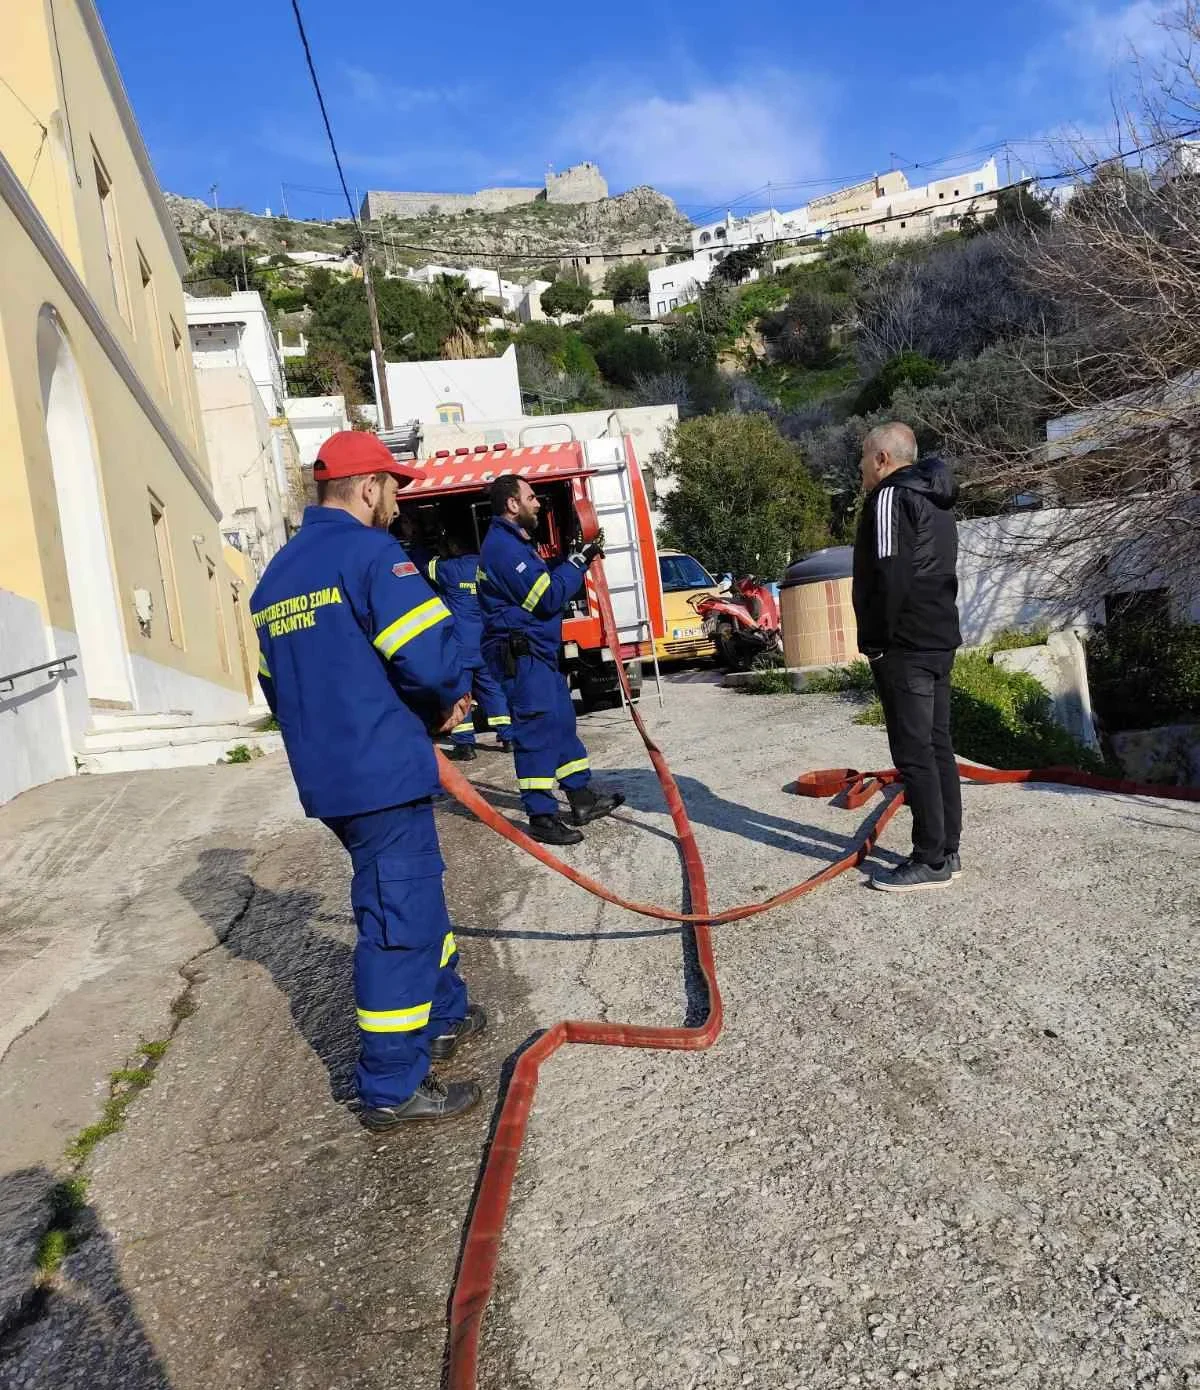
(905, 601)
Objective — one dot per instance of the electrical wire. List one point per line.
(312, 72)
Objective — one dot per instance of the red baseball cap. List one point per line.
(352, 452)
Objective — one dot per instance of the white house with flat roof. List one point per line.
(455, 392)
(233, 331)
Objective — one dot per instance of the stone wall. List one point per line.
(582, 183)
(377, 204)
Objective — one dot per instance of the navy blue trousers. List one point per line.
(548, 751)
(407, 988)
(489, 696)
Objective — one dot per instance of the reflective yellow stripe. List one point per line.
(540, 585)
(536, 784)
(394, 1020)
(497, 720)
(433, 569)
(412, 624)
(463, 728)
(263, 668)
(580, 765)
(449, 946)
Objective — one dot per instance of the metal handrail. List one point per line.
(59, 662)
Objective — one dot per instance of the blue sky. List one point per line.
(705, 101)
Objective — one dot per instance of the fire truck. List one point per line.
(452, 499)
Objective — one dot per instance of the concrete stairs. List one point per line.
(128, 741)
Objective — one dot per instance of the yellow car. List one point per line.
(681, 578)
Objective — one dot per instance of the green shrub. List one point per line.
(1013, 638)
(1003, 718)
(774, 681)
(855, 677)
(288, 300)
(1145, 675)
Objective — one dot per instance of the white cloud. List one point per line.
(1110, 37)
(368, 89)
(714, 141)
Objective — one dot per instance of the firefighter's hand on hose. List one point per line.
(458, 715)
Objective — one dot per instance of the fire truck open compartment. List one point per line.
(452, 504)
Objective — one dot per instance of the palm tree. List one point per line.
(465, 312)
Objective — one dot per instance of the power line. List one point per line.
(385, 404)
(312, 72)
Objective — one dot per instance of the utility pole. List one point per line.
(385, 401)
(245, 272)
(217, 210)
(1007, 164)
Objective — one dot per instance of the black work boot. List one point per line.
(553, 830)
(587, 805)
(430, 1101)
(445, 1045)
(462, 753)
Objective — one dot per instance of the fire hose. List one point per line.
(852, 789)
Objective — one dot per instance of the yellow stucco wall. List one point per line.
(134, 458)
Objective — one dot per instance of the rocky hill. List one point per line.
(525, 236)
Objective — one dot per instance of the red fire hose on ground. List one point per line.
(481, 1249)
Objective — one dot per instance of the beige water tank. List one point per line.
(817, 609)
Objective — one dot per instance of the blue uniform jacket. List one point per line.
(356, 652)
(455, 580)
(519, 592)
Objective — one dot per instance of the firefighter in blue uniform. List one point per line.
(522, 601)
(358, 659)
(454, 577)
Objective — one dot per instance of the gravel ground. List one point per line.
(944, 1140)
(948, 1139)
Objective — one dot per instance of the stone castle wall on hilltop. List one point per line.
(582, 183)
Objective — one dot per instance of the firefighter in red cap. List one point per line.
(359, 660)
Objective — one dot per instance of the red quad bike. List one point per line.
(743, 623)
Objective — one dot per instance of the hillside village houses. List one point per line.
(885, 207)
(123, 626)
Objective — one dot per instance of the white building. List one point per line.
(233, 331)
(476, 388)
(239, 379)
(489, 283)
(758, 229)
(313, 419)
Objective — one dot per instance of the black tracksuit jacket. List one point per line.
(905, 563)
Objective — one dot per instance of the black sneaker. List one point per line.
(430, 1101)
(911, 877)
(587, 805)
(954, 864)
(462, 753)
(445, 1045)
(553, 830)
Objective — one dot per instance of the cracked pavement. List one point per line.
(949, 1140)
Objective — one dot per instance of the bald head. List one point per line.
(887, 448)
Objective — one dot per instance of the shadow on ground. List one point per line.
(308, 952)
(80, 1329)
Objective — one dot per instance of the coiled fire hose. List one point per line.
(481, 1248)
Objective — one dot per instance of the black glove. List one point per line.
(590, 552)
